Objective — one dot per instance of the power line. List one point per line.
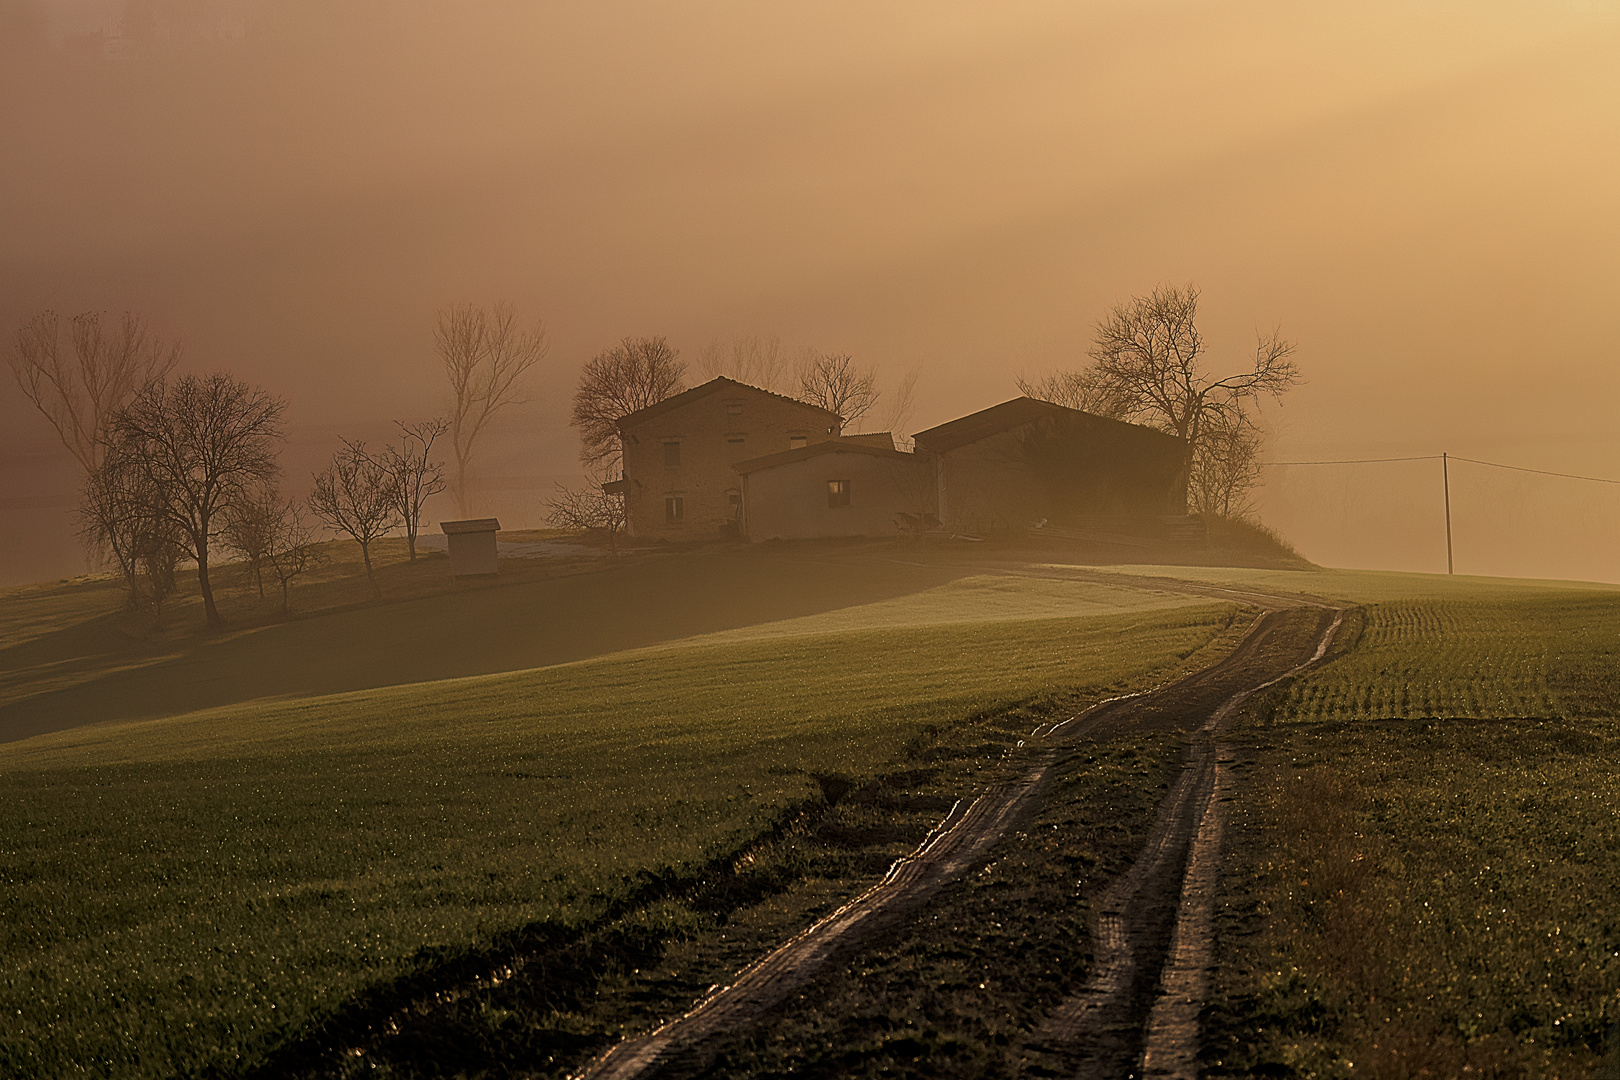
(1445, 479)
(1358, 461)
(1454, 457)
(1542, 472)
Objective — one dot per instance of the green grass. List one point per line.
(1425, 898)
(69, 670)
(1424, 876)
(1534, 655)
(184, 893)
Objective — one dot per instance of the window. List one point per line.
(734, 500)
(674, 509)
(672, 453)
(735, 443)
(795, 442)
(734, 408)
(838, 493)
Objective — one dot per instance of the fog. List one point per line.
(1421, 195)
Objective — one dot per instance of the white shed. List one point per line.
(472, 546)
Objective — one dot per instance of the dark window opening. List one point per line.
(797, 441)
(672, 453)
(734, 408)
(838, 493)
(674, 509)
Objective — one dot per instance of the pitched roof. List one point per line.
(884, 439)
(851, 445)
(471, 525)
(697, 393)
(1016, 413)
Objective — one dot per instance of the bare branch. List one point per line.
(205, 444)
(79, 393)
(1147, 367)
(834, 382)
(760, 362)
(587, 508)
(355, 496)
(415, 479)
(633, 374)
(485, 354)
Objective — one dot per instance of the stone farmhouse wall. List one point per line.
(692, 492)
(796, 499)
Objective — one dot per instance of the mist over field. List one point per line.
(1420, 195)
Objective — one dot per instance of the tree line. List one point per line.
(179, 467)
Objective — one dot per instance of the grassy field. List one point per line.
(185, 893)
(1424, 869)
(221, 839)
(75, 659)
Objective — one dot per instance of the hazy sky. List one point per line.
(1423, 195)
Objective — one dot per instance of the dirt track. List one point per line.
(1138, 1012)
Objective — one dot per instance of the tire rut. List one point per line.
(1101, 1031)
(1137, 1014)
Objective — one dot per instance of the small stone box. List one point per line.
(472, 546)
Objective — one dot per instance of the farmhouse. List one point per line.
(678, 481)
(1013, 464)
(728, 459)
(858, 485)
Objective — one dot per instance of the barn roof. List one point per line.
(713, 386)
(855, 444)
(1016, 413)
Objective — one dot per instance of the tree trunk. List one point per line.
(365, 553)
(461, 485)
(210, 611)
(410, 540)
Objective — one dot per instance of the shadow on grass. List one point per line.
(476, 632)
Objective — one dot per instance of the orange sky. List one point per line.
(1422, 195)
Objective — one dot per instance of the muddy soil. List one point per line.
(1063, 886)
(1139, 1002)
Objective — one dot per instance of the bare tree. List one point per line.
(587, 508)
(291, 550)
(122, 514)
(355, 496)
(415, 478)
(204, 444)
(757, 361)
(836, 383)
(249, 524)
(1148, 362)
(1226, 468)
(78, 387)
(484, 354)
(1081, 390)
(633, 374)
(897, 412)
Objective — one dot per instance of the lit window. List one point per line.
(672, 453)
(838, 493)
(674, 509)
(797, 441)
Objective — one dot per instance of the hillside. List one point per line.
(238, 849)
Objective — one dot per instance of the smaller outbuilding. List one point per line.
(854, 486)
(472, 546)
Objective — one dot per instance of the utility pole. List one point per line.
(1445, 480)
